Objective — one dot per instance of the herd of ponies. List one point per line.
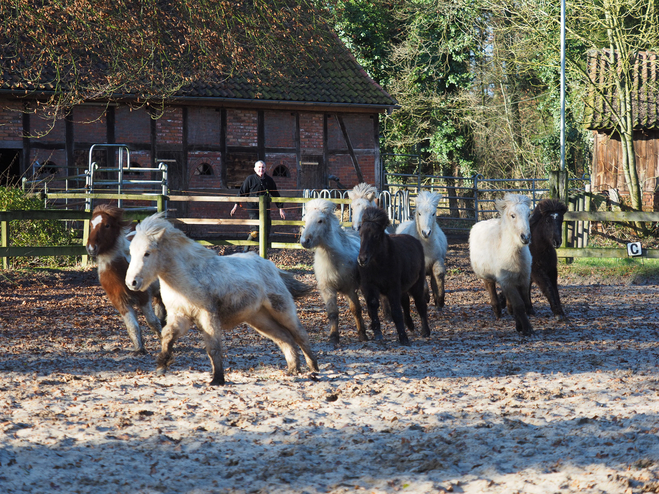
(176, 282)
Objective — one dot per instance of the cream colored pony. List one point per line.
(216, 293)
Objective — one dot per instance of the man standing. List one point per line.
(257, 184)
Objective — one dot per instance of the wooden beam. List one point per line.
(351, 151)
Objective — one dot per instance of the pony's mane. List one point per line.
(547, 206)
(428, 200)
(377, 216)
(512, 200)
(156, 226)
(114, 212)
(323, 206)
(363, 191)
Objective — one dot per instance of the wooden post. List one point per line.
(160, 203)
(264, 219)
(558, 185)
(587, 204)
(85, 237)
(4, 228)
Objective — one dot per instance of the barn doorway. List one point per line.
(312, 172)
(10, 167)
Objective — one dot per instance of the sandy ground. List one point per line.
(474, 408)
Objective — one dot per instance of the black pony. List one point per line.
(547, 234)
(393, 266)
(546, 224)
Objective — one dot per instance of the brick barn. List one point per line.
(307, 125)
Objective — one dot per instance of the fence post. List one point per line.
(264, 220)
(160, 203)
(85, 237)
(4, 228)
(476, 197)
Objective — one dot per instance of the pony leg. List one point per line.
(437, 282)
(264, 323)
(491, 288)
(515, 297)
(397, 316)
(356, 309)
(372, 306)
(212, 334)
(548, 285)
(421, 306)
(159, 309)
(289, 321)
(332, 309)
(176, 327)
(151, 319)
(134, 332)
(407, 314)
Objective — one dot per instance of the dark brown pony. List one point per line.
(546, 223)
(108, 244)
(393, 266)
(547, 234)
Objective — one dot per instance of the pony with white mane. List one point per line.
(216, 293)
(361, 197)
(425, 228)
(335, 263)
(499, 253)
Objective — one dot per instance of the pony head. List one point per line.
(425, 214)
(106, 227)
(319, 222)
(547, 222)
(515, 212)
(144, 258)
(361, 196)
(372, 234)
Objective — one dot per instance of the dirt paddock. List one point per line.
(474, 408)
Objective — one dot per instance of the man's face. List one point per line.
(259, 168)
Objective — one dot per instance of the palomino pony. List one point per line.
(216, 293)
(335, 263)
(361, 196)
(393, 266)
(108, 244)
(424, 227)
(499, 253)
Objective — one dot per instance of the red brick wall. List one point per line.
(90, 124)
(132, 126)
(279, 128)
(311, 133)
(203, 126)
(169, 127)
(11, 121)
(286, 185)
(359, 128)
(46, 129)
(242, 128)
(195, 159)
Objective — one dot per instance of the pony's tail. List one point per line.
(294, 286)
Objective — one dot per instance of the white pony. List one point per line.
(499, 253)
(216, 293)
(361, 196)
(335, 262)
(425, 228)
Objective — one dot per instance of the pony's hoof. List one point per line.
(378, 337)
(362, 337)
(161, 371)
(218, 381)
(404, 340)
(334, 339)
(139, 352)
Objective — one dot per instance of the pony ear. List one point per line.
(370, 196)
(500, 205)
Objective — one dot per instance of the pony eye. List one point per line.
(147, 254)
(320, 221)
(512, 215)
(107, 225)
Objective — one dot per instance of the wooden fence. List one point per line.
(8, 251)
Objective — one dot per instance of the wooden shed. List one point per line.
(607, 172)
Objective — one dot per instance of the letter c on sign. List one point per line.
(634, 249)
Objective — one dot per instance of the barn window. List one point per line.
(47, 168)
(281, 171)
(205, 170)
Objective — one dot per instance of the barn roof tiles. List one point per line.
(645, 93)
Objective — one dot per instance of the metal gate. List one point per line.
(123, 177)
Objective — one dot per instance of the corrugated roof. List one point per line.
(645, 94)
(318, 68)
